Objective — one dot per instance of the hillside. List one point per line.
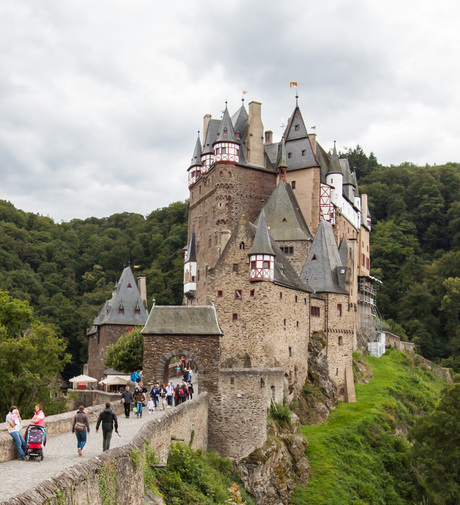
(362, 456)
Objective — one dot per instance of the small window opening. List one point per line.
(290, 352)
(251, 293)
(232, 380)
(238, 294)
(235, 267)
(234, 317)
(220, 293)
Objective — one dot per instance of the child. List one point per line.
(151, 406)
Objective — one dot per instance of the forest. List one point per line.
(65, 271)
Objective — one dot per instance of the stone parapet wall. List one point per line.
(54, 425)
(116, 476)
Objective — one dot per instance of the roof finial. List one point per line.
(297, 100)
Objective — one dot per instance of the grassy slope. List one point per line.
(356, 457)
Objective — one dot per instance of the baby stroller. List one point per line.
(35, 440)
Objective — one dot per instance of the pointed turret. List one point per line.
(298, 146)
(240, 122)
(323, 270)
(207, 156)
(282, 163)
(126, 306)
(348, 186)
(227, 146)
(190, 269)
(194, 171)
(334, 178)
(262, 256)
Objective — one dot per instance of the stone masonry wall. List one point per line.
(98, 343)
(217, 201)
(243, 399)
(340, 335)
(299, 257)
(116, 476)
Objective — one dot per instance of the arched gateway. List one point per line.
(189, 331)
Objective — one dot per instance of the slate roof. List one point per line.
(283, 215)
(323, 160)
(211, 136)
(343, 252)
(262, 242)
(191, 250)
(182, 320)
(196, 158)
(334, 166)
(226, 131)
(125, 294)
(297, 142)
(240, 121)
(320, 269)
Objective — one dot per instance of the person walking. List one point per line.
(190, 391)
(163, 400)
(108, 419)
(81, 428)
(127, 398)
(13, 420)
(139, 398)
(170, 394)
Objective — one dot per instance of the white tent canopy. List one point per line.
(115, 380)
(83, 378)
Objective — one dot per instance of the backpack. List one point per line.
(181, 392)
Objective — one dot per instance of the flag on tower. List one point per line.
(292, 84)
(244, 92)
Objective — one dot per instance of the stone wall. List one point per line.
(241, 404)
(98, 342)
(54, 425)
(116, 476)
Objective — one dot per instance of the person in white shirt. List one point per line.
(13, 421)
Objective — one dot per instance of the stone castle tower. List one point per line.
(279, 243)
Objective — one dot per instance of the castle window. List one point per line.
(129, 285)
(234, 317)
(363, 259)
(220, 293)
(295, 298)
(235, 267)
(266, 264)
(221, 174)
(303, 152)
(281, 296)
(198, 275)
(225, 131)
(193, 278)
(137, 310)
(297, 324)
(305, 301)
(238, 136)
(253, 264)
(209, 241)
(339, 310)
(242, 245)
(232, 380)
(287, 249)
(290, 352)
(121, 309)
(262, 383)
(293, 184)
(252, 292)
(237, 152)
(289, 155)
(224, 150)
(284, 322)
(238, 294)
(296, 127)
(315, 311)
(340, 340)
(229, 174)
(314, 257)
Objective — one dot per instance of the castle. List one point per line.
(279, 244)
(278, 250)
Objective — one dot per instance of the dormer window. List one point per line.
(289, 155)
(238, 136)
(314, 257)
(225, 131)
(121, 309)
(296, 127)
(137, 310)
(129, 285)
(224, 150)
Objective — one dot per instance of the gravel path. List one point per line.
(60, 453)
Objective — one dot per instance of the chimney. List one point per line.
(269, 137)
(142, 286)
(224, 238)
(312, 139)
(255, 136)
(206, 120)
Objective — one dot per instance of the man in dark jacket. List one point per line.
(127, 398)
(108, 419)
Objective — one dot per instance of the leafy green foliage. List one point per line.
(31, 354)
(359, 455)
(436, 450)
(127, 354)
(280, 413)
(194, 478)
(66, 271)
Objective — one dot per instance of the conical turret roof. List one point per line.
(335, 167)
(282, 163)
(196, 158)
(320, 269)
(240, 121)
(262, 243)
(126, 297)
(226, 131)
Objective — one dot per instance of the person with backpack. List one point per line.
(81, 428)
(108, 418)
(178, 395)
(184, 389)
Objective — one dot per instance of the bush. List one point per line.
(280, 413)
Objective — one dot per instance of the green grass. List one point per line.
(356, 457)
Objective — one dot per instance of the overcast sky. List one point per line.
(101, 100)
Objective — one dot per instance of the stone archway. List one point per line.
(164, 360)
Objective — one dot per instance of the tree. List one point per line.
(436, 449)
(31, 354)
(127, 354)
